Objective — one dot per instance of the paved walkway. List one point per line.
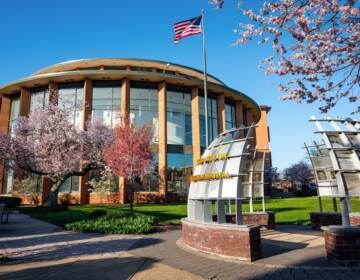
(38, 250)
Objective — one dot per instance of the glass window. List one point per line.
(70, 185)
(230, 115)
(149, 182)
(39, 98)
(212, 120)
(179, 172)
(179, 122)
(144, 106)
(100, 182)
(143, 111)
(71, 96)
(14, 113)
(179, 134)
(106, 102)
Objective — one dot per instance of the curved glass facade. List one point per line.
(143, 92)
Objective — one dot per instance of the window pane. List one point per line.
(39, 98)
(71, 97)
(212, 120)
(144, 108)
(106, 102)
(230, 116)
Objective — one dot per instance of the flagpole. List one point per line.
(205, 81)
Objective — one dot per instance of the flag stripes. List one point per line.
(186, 28)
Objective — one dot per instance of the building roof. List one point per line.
(134, 69)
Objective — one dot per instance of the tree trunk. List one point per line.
(52, 200)
(131, 200)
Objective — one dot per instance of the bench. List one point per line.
(8, 205)
(4, 215)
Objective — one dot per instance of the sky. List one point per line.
(39, 33)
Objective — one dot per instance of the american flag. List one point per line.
(186, 28)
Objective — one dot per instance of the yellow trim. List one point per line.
(210, 176)
(222, 156)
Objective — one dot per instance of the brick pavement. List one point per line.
(284, 258)
(38, 250)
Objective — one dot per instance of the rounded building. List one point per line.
(170, 96)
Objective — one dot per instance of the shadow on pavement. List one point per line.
(110, 268)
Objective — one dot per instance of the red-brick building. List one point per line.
(170, 96)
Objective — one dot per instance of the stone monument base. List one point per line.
(355, 219)
(319, 219)
(342, 244)
(238, 242)
(263, 219)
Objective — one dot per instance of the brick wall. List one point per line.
(264, 219)
(319, 219)
(237, 242)
(355, 219)
(342, 245)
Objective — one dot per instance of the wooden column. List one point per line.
(5, 114)
(262, 131)
(87, 109)
(53, 92)
(239, 113)
(195, 118)
(124, 113)
(162, 140)
(239, 116)
(250, 120)
(221, 112)
(24, 102)
(4, 128)
(46, 182)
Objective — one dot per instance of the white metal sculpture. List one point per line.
(324, 173)
(229, 169)
(341, 148)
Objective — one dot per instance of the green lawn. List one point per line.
(287, 211)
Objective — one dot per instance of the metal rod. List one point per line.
(263, 204)
(348, 200)
(334, 204)
(239, 217)
(320, 204)
(345, 212)
(205, 80)
(314, 169)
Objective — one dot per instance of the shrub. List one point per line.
(43, 209)
(97, 213)
(115, 224)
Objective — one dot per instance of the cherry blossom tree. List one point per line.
(316, 42)
(129, 155)
(47, 143)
